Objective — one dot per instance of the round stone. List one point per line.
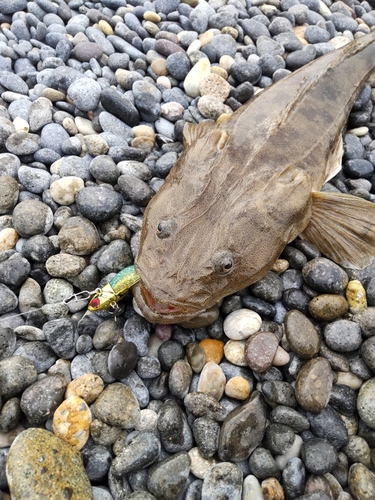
(234, 351)
(212, 380)
(260, 350)
(242, 323)
(343, 336)
(71, 422)
(117, 405)
(356, 296)
(366, 403)
(8, 193)
(214, 349)
(301, 335)
(41, 452)
(87, 387)
(32, 217)
(78, 236)
(238, 388)
(196, 75)
(325, 276)
(313, 385)
(361, 481)
(318, 455)
(328, 307)
(215, 86)
(122, 359)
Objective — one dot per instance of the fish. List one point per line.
(248, 184)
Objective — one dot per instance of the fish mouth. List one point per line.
(159, 312)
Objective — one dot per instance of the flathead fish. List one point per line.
(250, 183)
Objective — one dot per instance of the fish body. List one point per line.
(108, 296)
(248, 184)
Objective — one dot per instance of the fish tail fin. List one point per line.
(342, 226)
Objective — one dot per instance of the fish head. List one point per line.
(209, 232)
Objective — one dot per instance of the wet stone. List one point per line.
(289, 416)
(263, 465)
(203, 405)
(206, 434)
(167, 478)
(42, 450)
(328, 424)
(279, 438)
(328, 307)
(141, 450)
(118, 406)
(294, 477)
(137, 331)
(279, 392)
(319, 456)
(361, 481)
(343, 336)
(168, 353)
(223, 479)
(213, 350)
(260, 350)
(179, 379)
(325, 276)
(16, 374)
(175, 434)
(313, 384)
(301, 335)
(365, 403)
(269, 288)
(232, 443)
(122, 359)
(40, 400)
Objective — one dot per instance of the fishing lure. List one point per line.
(108, 296)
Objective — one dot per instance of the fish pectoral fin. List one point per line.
(342, 226)
(333, 166)
(192, 132)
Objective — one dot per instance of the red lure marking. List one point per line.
(95, 302)
(157, 306)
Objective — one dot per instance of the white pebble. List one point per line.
(20, 124)
(64, 190)
(163, 80)
(349, 379)
(196, 45)
(251, 489)
(281, 357)
(147, 420)
(84, 125)
(359, 131)
(234, 351)
(242, 323)
(294, 451)
(196, 75)
(199, 466)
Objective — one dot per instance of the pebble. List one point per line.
(301, 335)
(213, 350)
(325, 276)
(313, 384)
(242, 323)
(328, 307)
(212, 380)
(343, 336)
(234, 443)
(117, 405)
(234, 351)
(71, 422)
(356, 296)
(319, 456)
(361, 481)
(195, 77)
(168, 478)
(260, 350)
(87, 387)
(42, 451)
(141, 450)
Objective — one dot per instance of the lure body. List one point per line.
(115, 290)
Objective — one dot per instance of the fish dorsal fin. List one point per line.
(334, 161)
(342, 226)
(192, 132)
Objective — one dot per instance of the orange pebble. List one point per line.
(214, 350)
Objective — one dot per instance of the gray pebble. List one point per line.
(39, 353)
(22, 143)
(223, 479)
(168, 478)
(97, 460)
(343, 336)
(16, 374)
(141, 450)
(137, 330)
(318, 455)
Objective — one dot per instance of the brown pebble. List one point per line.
(149, 15)
(212, 380)
(272, 489)
(314, 385)
(159, 67)
(280, 266)
(217, 70)
(228, 30)
(196, 356)
(54, 95)
(260, 350)
(238, 388)
(328, 307)
(301, 335)
(143, 143)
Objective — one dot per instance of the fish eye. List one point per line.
(165, 228)
(223, 263)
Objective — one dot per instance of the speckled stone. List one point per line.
(260, 350)
(88, 387)
(212, 380)
(167, 478)
(237, 388)
(64, 190)
(117, 405)
(71, 422)
(78, 236)
(49, 467)
(8, 193)
(223, 480)
(141, 450)
(328, 307)
(242, 430)
(301, 335)
(234, 351)
(214, 349)
(324, 276)
(32, 217)
(272, 489)
(313, 384)
(356, 296)
(361, 482)
(366, 403)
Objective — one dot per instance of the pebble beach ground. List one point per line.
(274, 400)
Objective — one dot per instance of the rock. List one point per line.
(223, 479)
(301, 335)
(313, 384)
(43, 452)
(71, 422)
(117, 405)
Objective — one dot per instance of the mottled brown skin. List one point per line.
(242, 189)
